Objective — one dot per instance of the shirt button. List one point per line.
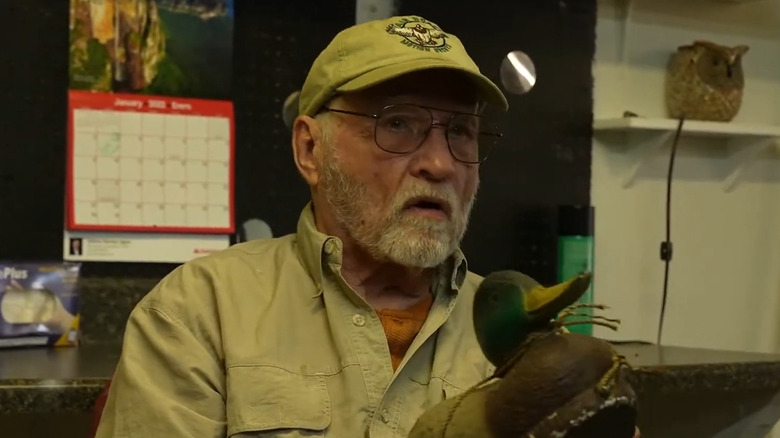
(330, 247)
(359, 320)
(385, 416)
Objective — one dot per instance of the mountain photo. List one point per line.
(178, 48)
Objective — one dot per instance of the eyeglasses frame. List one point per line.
(433, 125)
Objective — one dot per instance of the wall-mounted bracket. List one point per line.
(643, 145)
(745, 155)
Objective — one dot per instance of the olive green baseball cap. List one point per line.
(370, 53)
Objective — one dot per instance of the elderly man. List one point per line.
(361, 320)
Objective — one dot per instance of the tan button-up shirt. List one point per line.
(265, 339)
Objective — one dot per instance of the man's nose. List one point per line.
(433, 159)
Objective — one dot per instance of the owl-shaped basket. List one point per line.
(705, 81)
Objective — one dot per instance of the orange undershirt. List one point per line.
(401, 327)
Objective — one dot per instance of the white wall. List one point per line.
(725, 275)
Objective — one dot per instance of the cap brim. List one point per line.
(487, 89)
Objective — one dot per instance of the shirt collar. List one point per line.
(456, 269)
(310, 244)
(316, 249)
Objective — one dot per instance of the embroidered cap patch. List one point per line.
(420, 34)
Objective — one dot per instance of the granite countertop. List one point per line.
(69, 379)
(674, 369)
(66, 379)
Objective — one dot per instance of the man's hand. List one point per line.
(636, 433)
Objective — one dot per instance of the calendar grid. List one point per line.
(147, 163)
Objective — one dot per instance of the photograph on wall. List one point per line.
(177, 48)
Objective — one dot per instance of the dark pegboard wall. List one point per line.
(275, 46)
(545, 159)
(33, 92)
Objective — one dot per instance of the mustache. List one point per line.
(421, 190)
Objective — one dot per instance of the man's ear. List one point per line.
(306, 136)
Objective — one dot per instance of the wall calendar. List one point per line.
(139, 163)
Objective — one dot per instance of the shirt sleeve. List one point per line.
(166, 384)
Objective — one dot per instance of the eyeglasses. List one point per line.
(403, 128)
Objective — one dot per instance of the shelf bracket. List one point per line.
(742, 159)
(642, 146)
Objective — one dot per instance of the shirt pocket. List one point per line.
(268, 401)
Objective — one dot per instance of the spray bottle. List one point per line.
(575, 253)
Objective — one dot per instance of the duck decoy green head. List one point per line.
(509, 306)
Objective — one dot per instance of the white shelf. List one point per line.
(690, 127)
(645, 136)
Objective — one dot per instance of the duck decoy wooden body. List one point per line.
(548, 383)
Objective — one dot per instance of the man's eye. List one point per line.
(462, 131)
(398, 123)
